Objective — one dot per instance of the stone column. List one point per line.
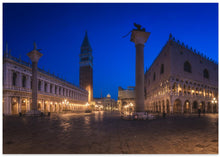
(34, 55)
(9, 78)
(42, 109)
(7, 102)
(191, 103)
(139, 37)
(19, 104)
(48, 87)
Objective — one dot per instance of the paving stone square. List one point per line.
(106, 133)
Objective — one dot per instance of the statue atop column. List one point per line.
(138, 27)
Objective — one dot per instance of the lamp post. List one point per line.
(214, 102)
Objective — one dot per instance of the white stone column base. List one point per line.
(138, 116)
(33, 113)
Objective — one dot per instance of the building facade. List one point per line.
(54, 93)
(86, 67)
(126, 97)
(181, 80)
(105, 104)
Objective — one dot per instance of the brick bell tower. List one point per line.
(86, 67)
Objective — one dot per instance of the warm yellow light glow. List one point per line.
(213, 98)
(192, 91)
(212, 101)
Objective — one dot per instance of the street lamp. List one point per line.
(214, 102)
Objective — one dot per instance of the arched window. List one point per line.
(45, 87)
(154, 77)
(187, 67)
(206, 73)
(162, 69)
(39, 85)
(14, 79)
(24, 81)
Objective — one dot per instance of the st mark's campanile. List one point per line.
(86, 68)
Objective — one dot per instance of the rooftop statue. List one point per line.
(139, 27)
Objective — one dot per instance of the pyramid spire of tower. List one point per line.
(86, 47)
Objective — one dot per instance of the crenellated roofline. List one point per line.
(191, 49)
(171, 38)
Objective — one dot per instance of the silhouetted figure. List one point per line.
(199, 111)
(203, 111)
(48, 113)
(20, 114)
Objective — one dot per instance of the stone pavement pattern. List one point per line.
(106, 133)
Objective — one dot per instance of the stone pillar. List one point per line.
(139, 37)
(48, 87)
(7, 101)
(53, 88)
(191, 103)
(6, 76)
(42, 109)
(19, 104)
(34, 55)
(19, 80)
(9, 78)
(61, 91)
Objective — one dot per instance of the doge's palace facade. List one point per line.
(181, 80)
(54, 93)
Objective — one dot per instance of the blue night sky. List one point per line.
(59, 29)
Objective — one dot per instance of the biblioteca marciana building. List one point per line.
(54, 94)
(181, 80)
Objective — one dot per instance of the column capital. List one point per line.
(34, 55)
(139, 37)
